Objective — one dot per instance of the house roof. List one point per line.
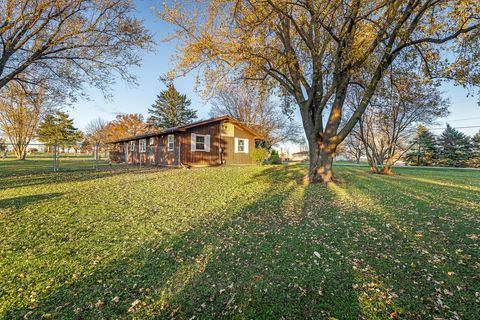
(187, 126)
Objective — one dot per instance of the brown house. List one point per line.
(216, 141)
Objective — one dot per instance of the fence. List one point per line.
(38, 158)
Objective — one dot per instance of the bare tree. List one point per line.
(21, 109)
(352, 147)
(255, 108)
(400, 103)
(68, 42)
(97, 133)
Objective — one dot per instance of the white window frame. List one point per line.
(170, 144)
(151, 141)
(142, 145)
(206, 143)
(132, 146)
(245, 145)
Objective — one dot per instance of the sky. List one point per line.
(464, 111)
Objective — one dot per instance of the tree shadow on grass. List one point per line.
(430, 250)
(256, 262)
(38, 179)
(21, 201)
(294, 252)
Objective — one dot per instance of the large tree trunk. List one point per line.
(321, 163)
(20, 151)
(387, 167)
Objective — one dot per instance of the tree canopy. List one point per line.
(317, 51)
(58, 128)
(62, 44)
(126, 125)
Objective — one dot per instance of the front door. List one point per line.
(126, 152)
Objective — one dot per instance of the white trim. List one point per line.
(245, 145)
(206, 142)
(142, 145)
(172, 142)
(193, 144)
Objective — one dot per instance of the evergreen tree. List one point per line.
(425, 151)
(58, 129)
(170, 109)
(476, 141)
(474, 161)
(455, 148)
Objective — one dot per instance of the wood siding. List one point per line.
(163, 155)
(229, 156)
(208, 158)
(222, 147)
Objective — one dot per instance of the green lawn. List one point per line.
(44, 163)
(241, 242)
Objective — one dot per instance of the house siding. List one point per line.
(211, 157)
(222, 147)
(229, 155)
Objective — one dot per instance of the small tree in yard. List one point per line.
(171, 109)
(97, 135)
(424, 151)
(455, 148)
(58, 128)
(315, 52)
(401, 100)
(21, 109)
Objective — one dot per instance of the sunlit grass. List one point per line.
(242, 242)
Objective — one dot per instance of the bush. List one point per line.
(259, 155)
(275, 157)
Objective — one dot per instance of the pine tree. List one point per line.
(455, 148)
(425, 151)
(58, 129)
(170, 109)
(474, 161)
(476, 141)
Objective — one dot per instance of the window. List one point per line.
(241, 145)
(171, 142)
(152, 141)
(132, 146)
(142, 147)
(200, 142)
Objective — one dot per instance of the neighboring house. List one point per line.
(300, 156)
(216, 141)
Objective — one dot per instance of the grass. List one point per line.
(43, 162)
(240, 242)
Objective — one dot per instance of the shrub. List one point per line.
(259, 155)
(275, 157)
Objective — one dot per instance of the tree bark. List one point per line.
(321, 163)
(20, 152)
(387, 167)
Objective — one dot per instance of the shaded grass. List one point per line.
(43, 162)
(249, 242)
